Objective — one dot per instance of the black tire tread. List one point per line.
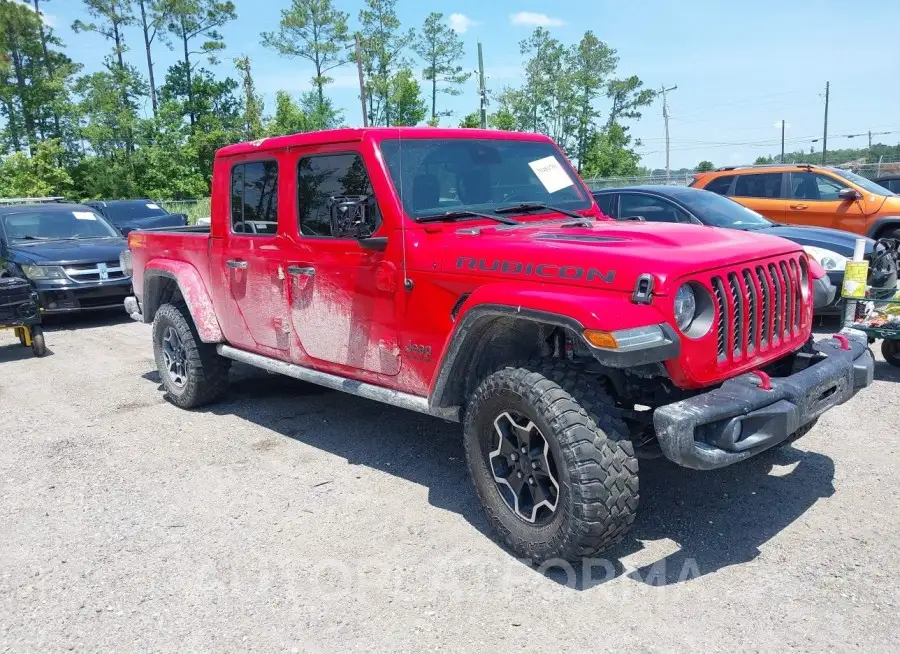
(890, 350)
(602, 468)
(207, 371)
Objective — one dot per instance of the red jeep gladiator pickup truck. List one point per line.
(469, 275)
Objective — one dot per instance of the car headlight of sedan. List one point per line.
(43, 272)
(828, 259)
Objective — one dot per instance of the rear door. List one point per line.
(762, 192)
(814, 201)
(341, 296)
(248, 262)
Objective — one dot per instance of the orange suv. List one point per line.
(803, 194)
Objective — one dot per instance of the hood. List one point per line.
(835, 240)
(608, 255)
(85, 250)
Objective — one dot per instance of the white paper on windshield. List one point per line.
(551, 174)
(84, 215)
(150, 205)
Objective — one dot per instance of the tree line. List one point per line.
(135, 131)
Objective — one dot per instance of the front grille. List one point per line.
(95, 272)
(757, 308)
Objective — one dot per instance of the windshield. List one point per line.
(719, 211)
(123, 212)
(56, 225)
(434, 176)
(862, 182)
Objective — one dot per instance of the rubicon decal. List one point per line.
(543, 270)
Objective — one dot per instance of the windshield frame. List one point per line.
(700, 212)
(115, 233)
(113, 211)
(585, 202)
(864, 183)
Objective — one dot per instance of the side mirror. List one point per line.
(126, 230)
(850, 194)
(350, 216)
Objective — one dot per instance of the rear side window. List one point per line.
(760, 185)
(329, 186)
(254, 198)
(720, 185)
(607, 203)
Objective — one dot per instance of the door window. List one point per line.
(607, 203)
(759, 185)
(335, 197)
(813, 186)
(720, 185)
(254, 198)
(651, 209)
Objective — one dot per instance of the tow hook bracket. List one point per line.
(843, 340)
(765, 382)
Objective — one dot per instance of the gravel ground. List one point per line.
(290, 518)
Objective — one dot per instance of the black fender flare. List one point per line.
(459, 353)
(881, 223)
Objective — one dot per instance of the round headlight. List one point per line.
(685, 307)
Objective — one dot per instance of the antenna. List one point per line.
(407, 282)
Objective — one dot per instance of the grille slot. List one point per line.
(798, 293)
(737, 319)
(779, 304)
(719, 294)
(765, 306)
(752, 309)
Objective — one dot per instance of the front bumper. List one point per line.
(739, 419)
(82, 297)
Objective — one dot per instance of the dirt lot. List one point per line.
(289, 518)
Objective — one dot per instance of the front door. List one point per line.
(251, 271)
(342, 296)
(815, 201)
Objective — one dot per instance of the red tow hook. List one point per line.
(843, 340)
(765, 382)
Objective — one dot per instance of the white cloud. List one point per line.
(460, 23)
(48, 19)
(511, 72)
(300, 81)
(535, 19)
(777, 125)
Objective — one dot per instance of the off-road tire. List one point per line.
(38, 344)
(206, 372)
(597, 469)
(890, 350)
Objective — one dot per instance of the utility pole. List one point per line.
(782, 141)
(481, 90)
(362, 82)
(666, 119)
(870, 139)
(825, 134)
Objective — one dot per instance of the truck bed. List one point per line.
(163, 248)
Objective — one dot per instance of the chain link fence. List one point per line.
(869, 169)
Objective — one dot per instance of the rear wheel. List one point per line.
(554, 484)
(38, 345)
(192, 371)
(890, 350)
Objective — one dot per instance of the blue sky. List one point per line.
(740, 67)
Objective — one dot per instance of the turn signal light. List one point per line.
(605, 340)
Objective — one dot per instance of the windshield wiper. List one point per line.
(462, 214)
(29, 237)
(525, 207)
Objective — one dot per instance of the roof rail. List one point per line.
(31, 200)
(771, 165)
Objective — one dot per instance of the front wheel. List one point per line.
(554, 484)
(38, 345)
(192, 371)
(890, 350)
